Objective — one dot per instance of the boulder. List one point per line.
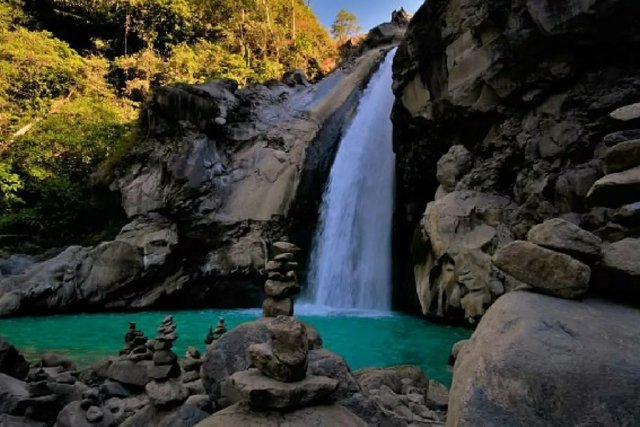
(52, 360)
(12, 362)
(274, 308)
(452, 249)
(229, 353)
(616, 189)
(618, 274)
(12, 393)
(562, 236)
(438, 396)
(317, 416)
(280, 290)
(14, 421)
(263, 357)
(544, 361)
(453, 166)
(265, 393)
(182, 416)
(622, 156)
(614, 138)
(129, 373)
(627, 113)
(166, 393)
(322, 362)
(546, 271)
(375, 378)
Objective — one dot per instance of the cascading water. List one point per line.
(351, 259)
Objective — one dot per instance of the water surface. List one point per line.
(364, 339)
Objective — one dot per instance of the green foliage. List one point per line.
(345, 25)
(73, 74)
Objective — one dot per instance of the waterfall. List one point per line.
(351, 258)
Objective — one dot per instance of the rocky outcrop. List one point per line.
(538, 361)
(495, 97)
(220, 174)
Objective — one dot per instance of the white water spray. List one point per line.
(351, 259)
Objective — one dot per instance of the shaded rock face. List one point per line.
(221, 173)
(536, 360)
(496, 97)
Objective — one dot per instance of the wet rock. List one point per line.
(546, 271)
(12, 363)
(265, 393)
(318, 416)
(562, 236)
(504, 374)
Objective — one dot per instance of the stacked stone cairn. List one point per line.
(220, 330)
(164, 390)
(279, 380)
(191, 365)
(135, 344)
(282, 280)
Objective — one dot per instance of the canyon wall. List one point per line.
(507, 113)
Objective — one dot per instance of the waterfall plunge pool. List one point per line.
(364, 338)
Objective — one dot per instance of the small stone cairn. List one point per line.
(220, 330)
(191, 365)
(135, 345)
(282, 280)
(164, 390)
(279, 380)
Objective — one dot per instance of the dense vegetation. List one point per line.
(74, 73)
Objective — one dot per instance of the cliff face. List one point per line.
(221, 172)
(504, 118)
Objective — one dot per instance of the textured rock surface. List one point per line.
(507, 80)
(546, 271)
(563, 236)
(12, 362)
(452, 251)
(319, 416)
(236, 168)
(538, 361)
(263, 393)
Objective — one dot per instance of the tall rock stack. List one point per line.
(282, 280)
(164, 389)
(279, 380)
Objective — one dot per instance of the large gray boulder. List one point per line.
(562, 236)
(265, 393)
(546, 271)
(317, 416)
(12, 362)
(229, 354)
(452, 251)
(12, 393)
(540, 361)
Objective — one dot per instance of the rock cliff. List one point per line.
(509, 113)
(221, 172)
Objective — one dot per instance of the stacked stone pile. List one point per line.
(279, 379)
(282, 280)
(164, 389)
(191, 365)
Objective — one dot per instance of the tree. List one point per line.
(344, 25)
